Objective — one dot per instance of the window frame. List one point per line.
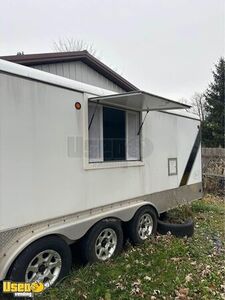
(88, 165)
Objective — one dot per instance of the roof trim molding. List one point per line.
(84, 56)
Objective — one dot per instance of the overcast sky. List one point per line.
(167, 47)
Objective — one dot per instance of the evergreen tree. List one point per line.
(213, 126)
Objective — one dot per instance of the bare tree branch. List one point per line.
(71, 44)
(198, 105)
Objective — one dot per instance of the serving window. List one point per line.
(113, 134)
(114, 125)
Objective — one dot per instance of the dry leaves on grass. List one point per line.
(120, 286)
(82, 296)
(147, 278)
(188, 278)
(176, 259)
(182, 294)
(206, 271)
(136, 289)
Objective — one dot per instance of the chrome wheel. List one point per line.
(44, 267)
(105, 244)
(145, 226)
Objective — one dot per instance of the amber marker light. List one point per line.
(77, 105)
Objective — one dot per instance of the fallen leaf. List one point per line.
(188, 278)
(136, 283)
(147, 278)
(184, 291)
(120, 286)
(206, 271)
(175, 259)
(156, 292)
(182, 294)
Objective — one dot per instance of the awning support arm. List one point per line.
(142, 123)
(93, 115)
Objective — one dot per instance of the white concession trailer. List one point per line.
(78, 162)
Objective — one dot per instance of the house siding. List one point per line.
(79, 71)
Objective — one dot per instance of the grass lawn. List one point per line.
(163, 268)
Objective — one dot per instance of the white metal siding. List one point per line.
(79, 71)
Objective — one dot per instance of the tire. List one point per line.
(136, 236)
(103, 241)
(178, 230)
(50, 250)
(163, 216)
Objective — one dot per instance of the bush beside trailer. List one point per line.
(78, 162)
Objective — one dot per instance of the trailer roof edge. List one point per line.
(30, 73)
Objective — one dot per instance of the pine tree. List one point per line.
(213, 126)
